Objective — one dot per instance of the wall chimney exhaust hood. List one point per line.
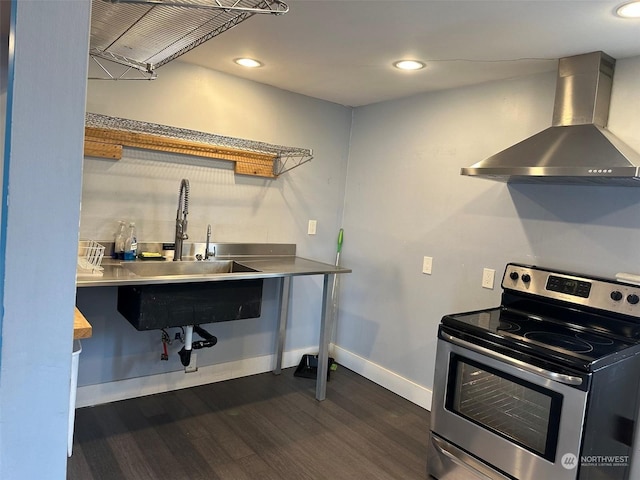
(577, 149)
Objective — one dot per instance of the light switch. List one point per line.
(427, 263)
(312, 227)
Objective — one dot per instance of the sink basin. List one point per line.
(160, 269)
(176, 301)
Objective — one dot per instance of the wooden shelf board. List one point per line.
(108, 143)
(81, 327)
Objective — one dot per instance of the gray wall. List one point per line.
(41, 193)
(5, 16)
(405, 200)
(143, 187)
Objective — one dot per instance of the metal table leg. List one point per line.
(326, 321)
(284, 290)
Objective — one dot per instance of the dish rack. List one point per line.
(90, 255)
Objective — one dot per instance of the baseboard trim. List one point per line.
(386, 378)
(89, 395)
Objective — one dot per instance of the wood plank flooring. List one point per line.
(258, 427)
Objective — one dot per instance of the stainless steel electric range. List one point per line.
(545, 386)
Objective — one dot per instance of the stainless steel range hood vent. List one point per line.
(577, 149)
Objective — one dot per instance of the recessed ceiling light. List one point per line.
(248, 62)
(409, 64)
(629, 10)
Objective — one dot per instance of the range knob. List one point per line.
(526, 278)
(633, 299)
(616, 295)
(514, 275)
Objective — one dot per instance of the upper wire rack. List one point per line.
(146, 34)
(287, 158)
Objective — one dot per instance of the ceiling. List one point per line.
(342, 50)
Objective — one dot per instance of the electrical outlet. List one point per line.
(312, 227)
(488, 276)
(427, 263)
(193, 364)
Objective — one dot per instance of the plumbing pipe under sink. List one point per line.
(209, 340)
(185, 352)
(190, 345)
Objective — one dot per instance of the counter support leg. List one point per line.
(326, 321)
(284, 289)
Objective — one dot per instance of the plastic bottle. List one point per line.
(131, 243)
(118, 244)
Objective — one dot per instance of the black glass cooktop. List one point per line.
(544, 336)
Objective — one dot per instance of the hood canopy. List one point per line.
(577, 149)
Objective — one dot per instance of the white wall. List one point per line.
(405, 199)
(143, 187)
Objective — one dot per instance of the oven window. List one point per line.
(521, 412)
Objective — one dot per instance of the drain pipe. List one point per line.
(185, 353)
(209, 340)
(190, 345)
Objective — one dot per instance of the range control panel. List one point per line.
(601, 293)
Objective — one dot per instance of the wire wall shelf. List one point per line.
(143, 35)
(105, 136)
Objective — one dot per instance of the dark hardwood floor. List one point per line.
(257, 427)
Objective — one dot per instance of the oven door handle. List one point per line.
(555, 376)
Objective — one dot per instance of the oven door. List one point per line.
(519, 419)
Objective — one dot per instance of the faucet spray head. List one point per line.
(185, 184)
(183, 207)
(181, 223)
(183, 200)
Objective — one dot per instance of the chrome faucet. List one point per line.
(181, 219)
(207, 253)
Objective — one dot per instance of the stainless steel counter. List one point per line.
(116, 274)
(276, 261)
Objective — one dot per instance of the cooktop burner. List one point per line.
(593, 338)
(508, 326)
(548, 337)
(573, 344)
(547, 315)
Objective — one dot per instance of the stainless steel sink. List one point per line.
(178, 294)
(168, 268)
